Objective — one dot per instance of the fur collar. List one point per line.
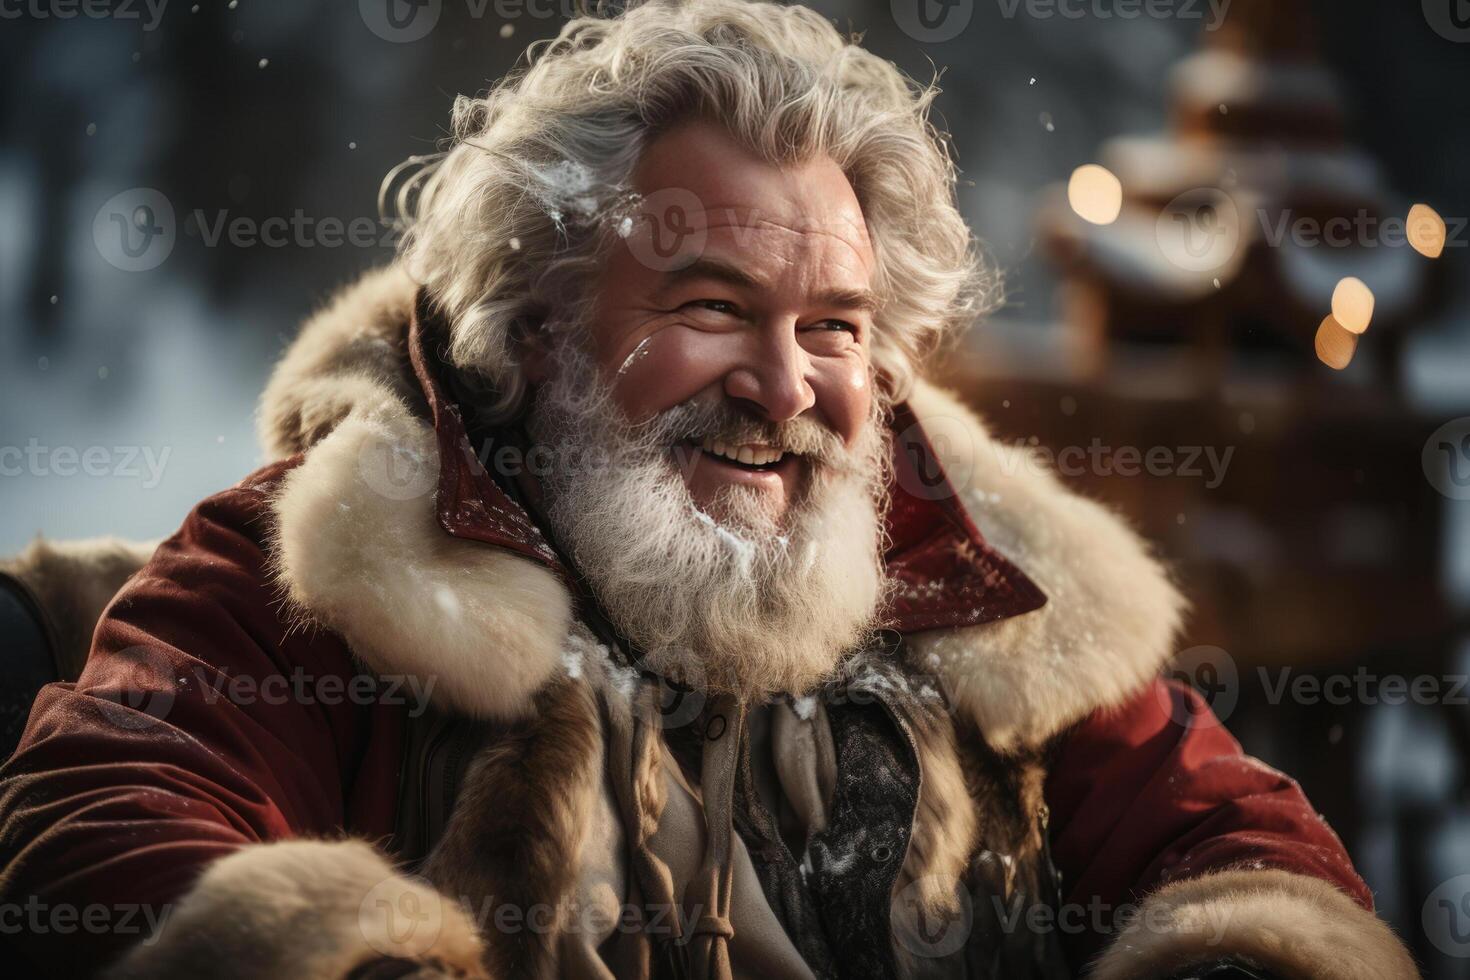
(359, 548)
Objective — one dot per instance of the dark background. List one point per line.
(264, 110)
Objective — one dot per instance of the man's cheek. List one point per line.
(671, 367)
(844, 391)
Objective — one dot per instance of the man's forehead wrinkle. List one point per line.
(840, 223)
(851, 292)
(818, 264)
(797, 242)
(710, 267)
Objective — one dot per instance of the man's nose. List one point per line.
(773, 376)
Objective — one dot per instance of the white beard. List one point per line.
(753, 605)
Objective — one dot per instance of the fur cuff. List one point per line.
(1292, 926)
(308, 909)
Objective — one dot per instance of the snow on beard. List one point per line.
(751, 604)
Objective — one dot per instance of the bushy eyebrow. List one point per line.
(703, 268)
(864, 300)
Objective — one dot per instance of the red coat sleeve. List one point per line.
(182, 741)
(1157, 791)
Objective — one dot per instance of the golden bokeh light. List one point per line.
(1095, 194)
(1335, 344)
(1352, 304)
(1426, 231)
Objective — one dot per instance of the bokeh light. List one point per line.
(1352, 304)
(1335, 344)
(1095, 194)
(1426, 231)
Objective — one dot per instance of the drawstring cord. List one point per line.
(697, 946)
(708, 895)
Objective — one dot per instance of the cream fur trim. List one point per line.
(1111, 614)
(349, 355)
(1106, 629)
(358, 548)
(307, 909)
(946, 828)
(1294, 927)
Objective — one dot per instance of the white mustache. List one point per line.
(694, 422)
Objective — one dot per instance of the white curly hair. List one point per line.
(506, 227)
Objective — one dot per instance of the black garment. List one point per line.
(29, 662)
(837, 902)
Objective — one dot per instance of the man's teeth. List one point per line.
(749, 455)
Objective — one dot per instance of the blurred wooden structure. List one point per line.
(1238, 223)
(1189, 324)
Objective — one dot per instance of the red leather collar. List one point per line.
(945, 574)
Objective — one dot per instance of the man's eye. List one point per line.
(835, 326)
(716, 306)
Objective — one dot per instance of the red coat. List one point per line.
(131, 781)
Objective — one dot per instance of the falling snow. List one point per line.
(742, 549)
(565, 186)
(639, 353)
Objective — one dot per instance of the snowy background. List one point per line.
(266, 110)
(262, 110)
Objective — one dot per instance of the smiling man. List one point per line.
(732, 670)
(728, 383)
